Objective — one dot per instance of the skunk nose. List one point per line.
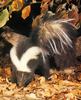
(23, 83)
(20, 79)
(19, 84)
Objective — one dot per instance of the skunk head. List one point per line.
(25, 59)
(24, 78)
(20, 77)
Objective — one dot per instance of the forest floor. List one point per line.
(60, 86)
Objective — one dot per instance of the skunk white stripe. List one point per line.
(62, 35)
(21, 64)
(31, 53)
(62, 20)
(66, 37)
(43, 56)
(55, 47)
(14, 57)
(55, 30)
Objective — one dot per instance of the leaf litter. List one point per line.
(58, 87)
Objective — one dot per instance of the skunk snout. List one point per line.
(24, 78)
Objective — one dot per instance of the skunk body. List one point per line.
(50, 38)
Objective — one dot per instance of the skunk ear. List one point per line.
(7, 28)
(12, 37)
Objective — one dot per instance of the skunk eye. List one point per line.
(33, 63)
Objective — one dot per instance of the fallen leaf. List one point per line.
(17, 5)
(4, 17)
(26, 12)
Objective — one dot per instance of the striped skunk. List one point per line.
(50, 38)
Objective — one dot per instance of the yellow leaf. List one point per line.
(26, 12)
(4, 17)
(22, 1)
(17, 5)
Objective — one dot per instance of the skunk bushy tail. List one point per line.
(55, 36)
(51, 32)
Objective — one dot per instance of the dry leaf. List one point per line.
(17, 5)
(26, 12)
(4, 17)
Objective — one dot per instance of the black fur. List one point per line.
(22, 47)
